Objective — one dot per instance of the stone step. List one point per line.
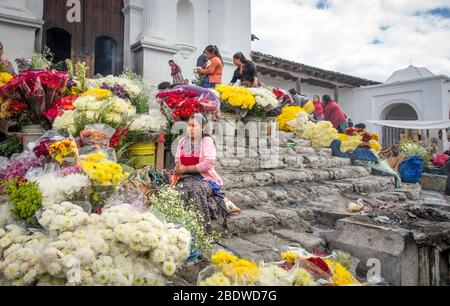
(285, 176)
(252, 221)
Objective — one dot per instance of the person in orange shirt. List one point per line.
(213, 72)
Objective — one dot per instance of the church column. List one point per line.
(218, 25)
(132, 12)
(152, 15)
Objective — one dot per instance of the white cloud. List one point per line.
(341, 37)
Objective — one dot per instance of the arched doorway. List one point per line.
(398, 111)
(102, 25)
(106, 56)
(59, 41)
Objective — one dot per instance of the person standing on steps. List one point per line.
(334, 113)
(213, 72)
(175, 72)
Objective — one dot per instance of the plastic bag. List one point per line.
(411, 170)
(274, 274)
(133, 198)
(65, 151)
(98, 135)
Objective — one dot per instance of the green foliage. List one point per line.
(169, 203)
(411, 148)
(42, 60)
(141, 102)
(10, 146)
(25, 197)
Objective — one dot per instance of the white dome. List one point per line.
(410, 73)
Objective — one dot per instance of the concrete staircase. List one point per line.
(290, 195)
(298, 196)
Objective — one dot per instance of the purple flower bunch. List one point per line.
(117, 90)
(18, 168)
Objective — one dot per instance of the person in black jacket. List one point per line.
(245, 72)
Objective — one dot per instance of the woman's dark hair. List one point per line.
(316, 96)
(214, 50)
(240, 56)
(361, 126)
(326, 99)
(164, 86)
(200, 118)
(171, 61)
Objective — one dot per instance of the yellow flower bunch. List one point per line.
(64, 150)
(216, 280)
(223, 258)
(341, 276)
(5, 78)
(289, 256)
(288, 114)
(237, 96)
(244, 271)
(98, 93)
(309, 107)
(235, 269)
(321, 134)
(304, 279)
(374, 145)
(351, 144)
(102, 171)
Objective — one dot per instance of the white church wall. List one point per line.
(19, 23)
(183, 28)
(310, 91)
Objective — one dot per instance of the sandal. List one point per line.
(232, 209)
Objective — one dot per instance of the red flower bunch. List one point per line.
(320, 263)
(187, 109)
(278, 93)
(183, 103)
(57, 109)
(41, 150)
(116, 139)
(17, 106)
(354, 131)
(176, 97)
(39, 89)
(440, 160)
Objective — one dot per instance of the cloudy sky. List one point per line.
(366, 38)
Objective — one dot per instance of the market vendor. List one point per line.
(199, 182)
(245, 71)
(213, 72)
(5, 63)
(318, 106)
(334, 113)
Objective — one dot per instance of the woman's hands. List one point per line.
(182, 170)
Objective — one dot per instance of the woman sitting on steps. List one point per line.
(199, 182)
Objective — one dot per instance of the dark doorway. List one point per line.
(101, 27)
(106, 56)
(59, 41)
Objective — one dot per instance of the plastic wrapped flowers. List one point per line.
(120, 248)
(101, 171)
(265, 99)
(235, 96)
(5, 78)
(321, 134)
(239, 272)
